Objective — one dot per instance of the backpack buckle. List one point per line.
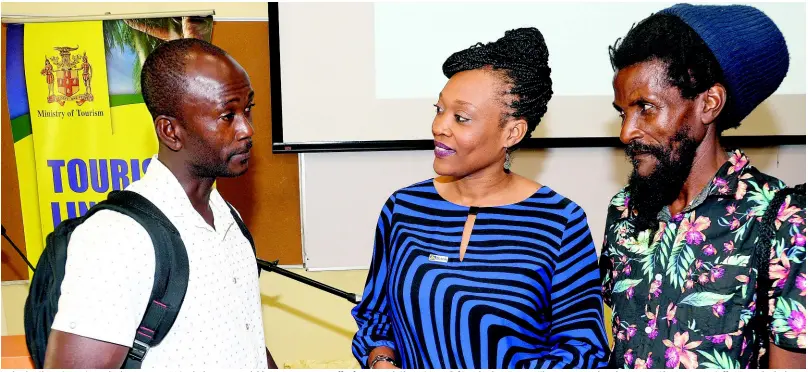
(138, 351)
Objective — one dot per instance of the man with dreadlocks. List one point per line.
(480, 267)
(684, 238)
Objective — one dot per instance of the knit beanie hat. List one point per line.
(748, 46)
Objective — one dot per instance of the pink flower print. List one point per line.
(796, 321)
(630, 292)
(624, 208)
(717, 272)
(785, 212)
(725, 339)
(740, 191)
(703, 279)
(738, 162)
(631, 331)
(694, 237)
(698, 264)
(643, 363)
(670, 314)
(679, 351)
(628, 357)
(729, 246)
(718, 309)
(721, 185)
(671, 357)
(735, 224)
(627, 270)
(717, 339)
(779, 272)
(655, 289)
(742, 278)
(731, 209)
(689, 284)
(708, 250)
(693, 229)
(660, 231)
(796, 219)
(678, 217)
(621, 335)
(652, 330)
(800, 284)
(798, 240)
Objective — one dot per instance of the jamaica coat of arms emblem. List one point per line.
(71, 76)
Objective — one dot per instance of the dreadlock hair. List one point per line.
(163, 79)
(692, 66)
(762, 257)
(520, 57)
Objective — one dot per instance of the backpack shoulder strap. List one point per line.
(170, 276)
(762, 253)
(244, 230)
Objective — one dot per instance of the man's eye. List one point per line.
(228, 117)
(249, 107)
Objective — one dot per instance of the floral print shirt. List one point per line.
(683, 295)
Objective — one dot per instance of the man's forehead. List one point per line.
(642, 77)
(214, 76)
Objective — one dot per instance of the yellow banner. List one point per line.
(78, 159)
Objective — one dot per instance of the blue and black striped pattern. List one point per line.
(526, 295)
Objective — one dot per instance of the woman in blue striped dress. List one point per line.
(480, 267)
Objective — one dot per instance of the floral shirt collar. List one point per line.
(720, 186)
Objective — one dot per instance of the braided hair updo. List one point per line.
(521, 57)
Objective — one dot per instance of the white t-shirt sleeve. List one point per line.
(108, 279)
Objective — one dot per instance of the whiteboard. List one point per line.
(375, 73)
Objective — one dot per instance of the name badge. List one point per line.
(436, 258)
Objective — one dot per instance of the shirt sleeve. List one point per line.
(371, 314)
(577, 330)
(108, 279)
(787, 271)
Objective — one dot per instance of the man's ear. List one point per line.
(169, 132)
(712, 102)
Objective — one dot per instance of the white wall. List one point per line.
(343, 193)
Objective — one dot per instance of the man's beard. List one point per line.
(211, 167)
(649, 194)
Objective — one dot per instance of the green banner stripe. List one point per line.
(125, 99)
(21, 127)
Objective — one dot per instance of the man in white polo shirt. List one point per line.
(201, 100)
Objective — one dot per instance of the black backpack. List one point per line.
(170, 276)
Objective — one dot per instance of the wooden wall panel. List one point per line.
(268, 195)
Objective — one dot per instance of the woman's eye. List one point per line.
(461, 119)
